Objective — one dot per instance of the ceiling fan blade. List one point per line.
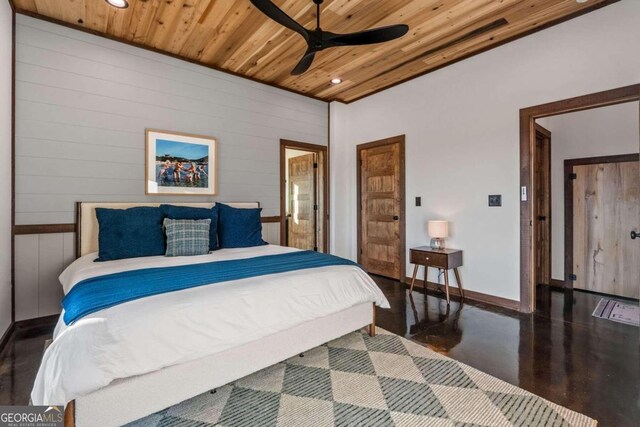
(304, 63)
(375, 35)
(274, 12)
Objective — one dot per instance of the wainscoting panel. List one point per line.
(40, 258)
(271, 232)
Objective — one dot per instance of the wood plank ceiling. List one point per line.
(231, 35)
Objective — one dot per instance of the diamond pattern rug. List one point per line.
(357, 380)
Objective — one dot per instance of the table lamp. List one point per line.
(438, 230)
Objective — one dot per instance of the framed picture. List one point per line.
(180, 164)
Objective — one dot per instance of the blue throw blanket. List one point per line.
(97, 293)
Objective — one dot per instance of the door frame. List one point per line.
(399, 139)
(546, 133)
(324, 216)
(527, 149)
(568, 203)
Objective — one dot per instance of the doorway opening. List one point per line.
(545, 257)
(381, 207)
(303, 190)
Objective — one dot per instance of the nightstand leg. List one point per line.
(455, 270)
(413, 279)
(446, 284)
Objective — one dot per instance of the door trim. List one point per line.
(527, 141)
(399, 139)
(568, 203)
(312, 148)
(546, 134)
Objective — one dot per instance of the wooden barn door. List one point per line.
(302, 202)
(381, 240)
(606, 208)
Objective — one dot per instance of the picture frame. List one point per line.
(180, 164)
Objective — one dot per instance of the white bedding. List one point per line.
(148, 334)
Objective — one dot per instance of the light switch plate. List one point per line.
(495, 200)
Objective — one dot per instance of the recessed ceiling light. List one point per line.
(581, 1)
(336, 81)
(120, 4)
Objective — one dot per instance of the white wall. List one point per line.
(462, 135)
(591, 133)
(83, 103)
(6, 31)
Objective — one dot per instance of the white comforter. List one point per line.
(151, 333)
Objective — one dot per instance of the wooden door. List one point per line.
(302, 193)
(606, 207)
(542, 214)
(381, 210)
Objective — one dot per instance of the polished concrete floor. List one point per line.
(560, 353)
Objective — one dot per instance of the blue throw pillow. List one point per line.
(129, 233)
(188, 212)
(187, 237)
(239, 228)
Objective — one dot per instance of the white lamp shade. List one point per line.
(438, 229)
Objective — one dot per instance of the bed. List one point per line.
(124, 362)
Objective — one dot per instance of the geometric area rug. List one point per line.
(357, 380)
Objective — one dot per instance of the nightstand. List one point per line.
(444, 259)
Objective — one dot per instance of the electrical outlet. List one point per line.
(418, 201)
(495, 200)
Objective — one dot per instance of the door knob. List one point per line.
(634, 235)
(541, 217)
(396, 217)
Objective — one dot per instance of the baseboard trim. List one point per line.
(5, 337)
(470, 295)
(557, 283)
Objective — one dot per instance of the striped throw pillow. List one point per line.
(187, 237)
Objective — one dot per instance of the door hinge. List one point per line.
(315, 207)
(315, 166)
(573, 176)
(573, 277)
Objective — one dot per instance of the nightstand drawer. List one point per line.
(431, 259)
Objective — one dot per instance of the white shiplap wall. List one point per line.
(82, 106)
(6, 26)
(83, 103)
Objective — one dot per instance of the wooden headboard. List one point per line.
(87, 223)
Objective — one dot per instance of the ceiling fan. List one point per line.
(318, 39)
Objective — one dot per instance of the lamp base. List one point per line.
(437, 243)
